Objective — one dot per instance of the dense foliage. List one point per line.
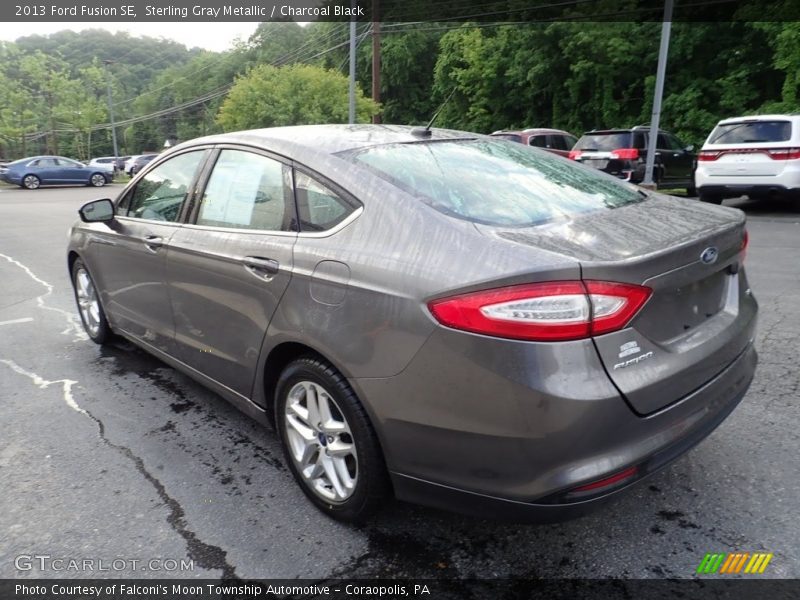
(570, 75)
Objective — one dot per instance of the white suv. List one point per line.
(755, 156)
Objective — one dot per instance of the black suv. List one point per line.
(623, 152)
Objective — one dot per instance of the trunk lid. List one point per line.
(700, 316)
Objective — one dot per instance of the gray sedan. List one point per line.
(456, 320)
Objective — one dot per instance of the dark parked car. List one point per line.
(553, 140)
(36, 171)
(467, 322)
(139, 163)
(119, 163)
(623, 152)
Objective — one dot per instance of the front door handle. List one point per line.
(261, 265)
(153, 242)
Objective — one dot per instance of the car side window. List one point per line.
(570, 142)
(556, 142)
(158, 196)
(540, 141)
(318, 206)
(675, 143)
(44, 162)
(639, 141)
(246, 191)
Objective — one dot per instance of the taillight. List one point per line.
(552, 311)
(574, 154)
(707, 155)
(784, 153)
(626, 153)
(773, 153)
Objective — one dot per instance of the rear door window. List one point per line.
(246, 191)
(751, 132)
(540, 141)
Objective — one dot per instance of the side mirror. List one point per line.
(97, 211)
(689, 148)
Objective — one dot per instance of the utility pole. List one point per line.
(663, 50)
(376, 56)
(107, 62)
(352, 114)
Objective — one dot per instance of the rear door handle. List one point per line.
(260, 265)
(153, 242)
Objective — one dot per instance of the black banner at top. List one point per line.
(395, 11)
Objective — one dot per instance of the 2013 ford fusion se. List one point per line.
(461, 321)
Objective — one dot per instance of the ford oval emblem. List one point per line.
(709, 255)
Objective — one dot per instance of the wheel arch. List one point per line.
(283, 353)
(276, 361)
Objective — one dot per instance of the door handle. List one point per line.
(261, 265)
(153, 242)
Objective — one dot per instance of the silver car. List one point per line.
(457, 320)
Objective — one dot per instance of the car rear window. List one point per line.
(604, 141)
(751, 132)
(494, 182)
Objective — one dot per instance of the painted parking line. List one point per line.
(13, 321)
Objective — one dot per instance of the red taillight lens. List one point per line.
(784, 153)
(626, 153)
(552, 311)
(707, 155)
(574, 154)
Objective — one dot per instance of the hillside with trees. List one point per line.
(570, 75)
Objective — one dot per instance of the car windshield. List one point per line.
(751, 132)
(604, 141)
(494, 182)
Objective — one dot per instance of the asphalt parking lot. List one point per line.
(107, 453)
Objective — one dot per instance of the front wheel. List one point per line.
(92, 315)
(97, 180)
(31, 182)
(328, 441)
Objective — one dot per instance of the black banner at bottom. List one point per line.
(340, 589)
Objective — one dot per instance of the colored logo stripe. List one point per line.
(734, 562)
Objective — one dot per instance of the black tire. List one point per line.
(97, 180)
(31, 182)
(99, 332)
(710, 198)
(371, 487)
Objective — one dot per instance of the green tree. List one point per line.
(270, 96)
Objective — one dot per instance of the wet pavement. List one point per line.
(107, 453)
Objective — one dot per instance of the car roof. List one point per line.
(30, 158)
(330, 139)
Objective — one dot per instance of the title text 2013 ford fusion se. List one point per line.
(457, 320)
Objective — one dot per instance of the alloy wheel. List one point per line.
(321, 442)
(88, 303)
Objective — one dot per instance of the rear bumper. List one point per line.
(752, 190)
(674, 431)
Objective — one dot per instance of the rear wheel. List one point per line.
(92, 315)
(328, 441)
(97, 180)
(31, 182)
